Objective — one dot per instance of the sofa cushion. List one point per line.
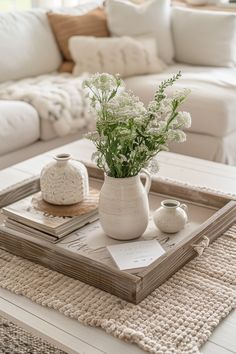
(204, 37)
(150, 17)
(19, 125)
(213, 148)
(27, 45)
(211, 103)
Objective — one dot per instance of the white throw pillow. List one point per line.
(122, 55)
(204, 37)
(150, 17)
(27, 45)
(81, 9)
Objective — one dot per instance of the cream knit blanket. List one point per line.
(58, 98)
(176, 318)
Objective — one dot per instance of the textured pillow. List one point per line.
(27, 45)
(65, 26)
(150, 17)
(204, 37)
(124, 55)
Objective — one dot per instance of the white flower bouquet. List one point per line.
(128, 136)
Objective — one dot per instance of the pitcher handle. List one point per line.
(148, 181)
(185, 208)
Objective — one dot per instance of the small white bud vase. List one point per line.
(64, 181)
(171, 217)
(123, 206)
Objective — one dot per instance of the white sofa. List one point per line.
(28, 48)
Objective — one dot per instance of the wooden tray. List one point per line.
(83, 254)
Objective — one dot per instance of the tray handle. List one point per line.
(200, 247)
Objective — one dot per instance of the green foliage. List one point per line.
(128, 136)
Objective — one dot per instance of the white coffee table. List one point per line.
(74, 337)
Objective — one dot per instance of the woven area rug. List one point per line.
(15, 340)
(177, 318)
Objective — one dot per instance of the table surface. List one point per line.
(69, 334)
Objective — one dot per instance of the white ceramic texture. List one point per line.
(124, 207)
(64, 181)
(171, 217)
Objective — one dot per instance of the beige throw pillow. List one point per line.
(123, 55)
(65, 26)
(67, 67)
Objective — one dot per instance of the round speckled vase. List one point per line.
(171, 217)
(64, 181)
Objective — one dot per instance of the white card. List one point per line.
(137, 254)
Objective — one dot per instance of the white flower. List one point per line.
(153, 166)
(180, 95)
(158, 110)
(162, 125)
(139, 119)
(93, 136)
(184, 120)
(176, 135)
(166, 106)
(124, 132)
(103, 82)
(126, 105)
(153, 131)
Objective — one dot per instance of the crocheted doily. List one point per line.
(176, 318)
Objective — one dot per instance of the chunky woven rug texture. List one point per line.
(15, 340)
(176, 318)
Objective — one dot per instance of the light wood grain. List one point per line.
(212, 348)
(222, 335)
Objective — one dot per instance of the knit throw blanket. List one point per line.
(60, 99)
(176, 318)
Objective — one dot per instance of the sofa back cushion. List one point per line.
(204, 37)
(27, 45)
(151, 17)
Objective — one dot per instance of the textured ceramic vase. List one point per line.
(64, 181)
(171, 217)
(124, 207)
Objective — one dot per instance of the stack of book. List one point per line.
(22, 217)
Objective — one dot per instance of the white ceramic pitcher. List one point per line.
(124, 207)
